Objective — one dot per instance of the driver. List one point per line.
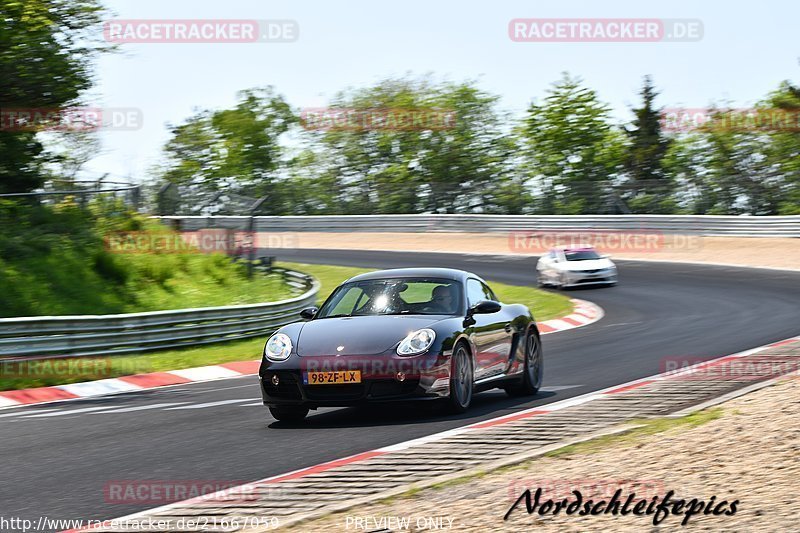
(442, 300)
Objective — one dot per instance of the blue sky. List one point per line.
(745, 52)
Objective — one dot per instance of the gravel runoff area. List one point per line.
(775, 252)
(745, 449)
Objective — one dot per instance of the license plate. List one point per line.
(332, 378)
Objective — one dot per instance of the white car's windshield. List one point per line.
(581, 255)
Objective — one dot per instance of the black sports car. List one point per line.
(411, 333)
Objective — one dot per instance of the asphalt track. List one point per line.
(57, 459)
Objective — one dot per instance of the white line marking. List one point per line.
(558, 324)
(139, 408)
(252, 404)
(209, 404)
(99, 387)
(205, 372)
(37, 411)
(554, 388)
(73, 411)
(8, 402)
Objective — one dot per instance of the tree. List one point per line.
(234, 150)
(648, 188)
(784, 150)
(572, 149)
(448, 162)
(47, 49)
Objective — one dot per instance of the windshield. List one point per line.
(581, 255)
(399, 296)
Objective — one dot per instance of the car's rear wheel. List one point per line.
(532, 374)
(461, 379)
(288, 413)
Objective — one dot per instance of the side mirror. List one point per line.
(309, 312)
(485, 307)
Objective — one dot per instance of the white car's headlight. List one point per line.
(416, 342)
(278, 347)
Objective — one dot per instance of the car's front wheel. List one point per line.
(461, 379)
(288, 413)
(532, 374)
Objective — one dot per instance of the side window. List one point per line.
(488, 294)
(474, 292)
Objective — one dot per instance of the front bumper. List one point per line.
(575, 278)
(426, 378)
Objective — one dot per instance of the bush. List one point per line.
(53, 261)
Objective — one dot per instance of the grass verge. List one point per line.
(544, 304)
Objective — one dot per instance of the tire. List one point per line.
(532, 373)
(461, 380)
(288, 413)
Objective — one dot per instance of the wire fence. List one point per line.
(82, 191)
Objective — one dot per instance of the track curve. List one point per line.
(658, 311)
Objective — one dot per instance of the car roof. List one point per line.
(444, 273)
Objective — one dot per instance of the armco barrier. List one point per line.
(29, 338)
(708, 225)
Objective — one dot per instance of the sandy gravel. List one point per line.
(775, 252)
(750, 454)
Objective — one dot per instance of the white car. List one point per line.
(575, 266)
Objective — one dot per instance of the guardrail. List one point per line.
(707, 225)
(30, 338)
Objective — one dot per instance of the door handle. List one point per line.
(508, 328)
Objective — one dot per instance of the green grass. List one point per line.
(59, 260)
(545, 305)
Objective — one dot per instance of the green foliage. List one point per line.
(443, 169)
(648, 189)
(46, 52)
(53, 261)
(783, 152)
(572, 148)
(233, 149)
(565, 156)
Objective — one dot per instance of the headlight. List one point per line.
(278, 347)
(416, 342)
